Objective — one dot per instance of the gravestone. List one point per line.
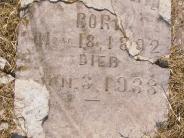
(97, 60)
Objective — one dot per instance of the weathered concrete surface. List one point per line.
(97, 88)
(130, 15)
(31, 107)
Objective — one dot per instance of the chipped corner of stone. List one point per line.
(165, 10)
(31, 107)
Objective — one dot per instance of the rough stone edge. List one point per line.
(31, 108)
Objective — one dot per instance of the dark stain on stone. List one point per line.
(162, 62)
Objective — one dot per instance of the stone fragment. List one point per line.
(25, 3)
(31, 107)
(165, 10)
(3, 62)
(84, 53)
(132, 49)
(1, 113)
(4, 79)
(3, 126)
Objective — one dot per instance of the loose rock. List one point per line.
(4, 79)
(3, 126)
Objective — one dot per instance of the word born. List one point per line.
(92, 21)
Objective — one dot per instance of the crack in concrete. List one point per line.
(69, 2)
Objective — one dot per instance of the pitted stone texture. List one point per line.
(97, 90)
